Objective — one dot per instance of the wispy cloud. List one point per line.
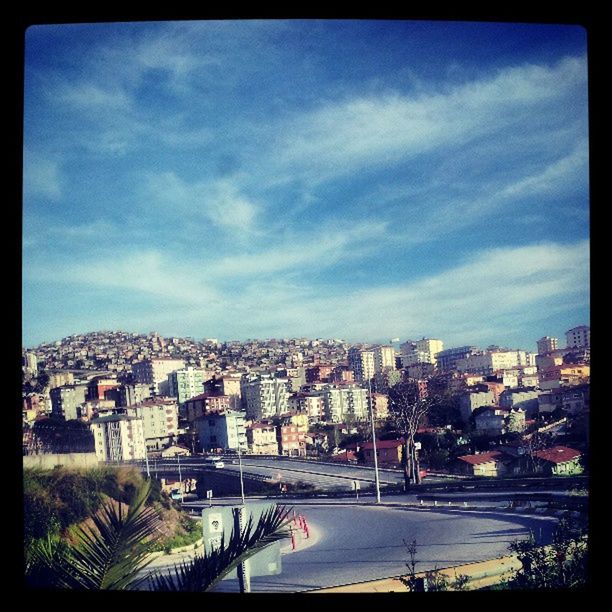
(340, 137)
(41, 176)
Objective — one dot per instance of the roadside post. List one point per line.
(356, 487)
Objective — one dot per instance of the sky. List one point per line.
(354, 179)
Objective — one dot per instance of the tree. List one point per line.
(408, 407)
(112, 553)
(562, 565)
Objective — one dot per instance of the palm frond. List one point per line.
(109, 555)
(203, 572)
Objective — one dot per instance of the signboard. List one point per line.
(209, 494)
(219, 521)
(417, 445)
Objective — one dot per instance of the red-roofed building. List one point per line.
(491, 463)
(346, 456)
(559, 460)
(389, 452)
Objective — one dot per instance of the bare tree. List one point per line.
(408, 407)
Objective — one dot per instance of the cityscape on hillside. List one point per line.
(385, 225)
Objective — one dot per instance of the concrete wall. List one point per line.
(69, 460)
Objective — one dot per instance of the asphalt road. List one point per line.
(354, 543)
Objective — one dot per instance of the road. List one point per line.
(359, 542)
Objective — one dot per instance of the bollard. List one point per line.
(292, 540)
(421, 502)
(449, 503)
(465, 504)
(306, 530)
(435, 502)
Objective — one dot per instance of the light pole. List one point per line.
(374, 442)
(240, 466)
(178, 461)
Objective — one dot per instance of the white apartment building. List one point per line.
(187, 383)
(118, 438)
(154, 372)
(547, 344)
(579, 337)
(225, 431)
(420, 351)
(160, 421)
(490, 361)
(384, 357)
(264, 396)
(362, 363)
(345, 402)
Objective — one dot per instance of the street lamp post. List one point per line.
(178, 460)
(374, 442)
(241, 479)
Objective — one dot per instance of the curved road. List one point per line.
(355, 543)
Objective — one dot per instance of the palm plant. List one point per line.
(114, 553)
(203, 572)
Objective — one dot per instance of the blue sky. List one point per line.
(348, 179)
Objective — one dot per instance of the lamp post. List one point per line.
(178, 460)
(374, 442)
(241, 479)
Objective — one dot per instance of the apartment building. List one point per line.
(118, 438)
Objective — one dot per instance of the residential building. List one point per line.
(448, 358)
(471, 400)
(388, 452)
(160, 421)
(29, 363)
(343, 402)
(362, 363)
(562, 375)
(89, 409)
(380, 406)
(524, 398)
(573, 399)
(222, 431)
(118, 438)
(291, 439)
(129, 395)
(261, 439)
(579, 337)
(419, 371)
(559, 460)
(547, 345)
(341, 374)
(60, 379)
(154, 372)
(309, 403)
(420, 351)
(186, 383)
(490, 421)
(384, 357)
(99, 385)
(492, 463)
(203, 404)
(318, 373)
(66, 401)
(264, 396)
(295, 376)
(491, 361)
